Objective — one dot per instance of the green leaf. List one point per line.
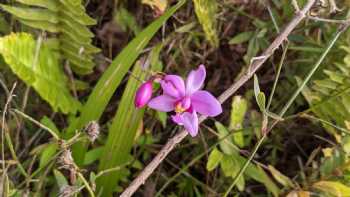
(205, 11)
(162, 117)
(226, 145)
(47, 154)
(4, 26)
(50, 124)
(274, 116)
(111, 79)
(126, 20)
(255, 172)
(231, 166)
(52, 5)
(68, 20)
(35, 14)
(333, 188)
(239, 108)
(214, 159)
(93, 155)
(259, 96)
(60, 178)
(241, 37)
(121, 133)
(43, 73)
(281, 178)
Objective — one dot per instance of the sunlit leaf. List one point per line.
(333, 188)
(205, 11)
(214, 159)
(225, 145)
(281, 178)
(44, 74)
(239, 108)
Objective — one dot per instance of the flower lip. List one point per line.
(182, 105)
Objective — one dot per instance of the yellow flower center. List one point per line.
(179, 108)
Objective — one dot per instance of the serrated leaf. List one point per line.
(52, 5)
(45, 74)
(68, 19)
(42, 25)
(35, 14)
(214, 159)
(241, 37)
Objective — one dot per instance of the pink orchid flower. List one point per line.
(186, 99)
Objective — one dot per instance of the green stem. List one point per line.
(37, 123)
(246, 164)
(91, 192)
(277, 75)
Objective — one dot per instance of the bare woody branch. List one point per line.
(256, 64)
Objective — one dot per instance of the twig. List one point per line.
(9, 98)
(172, 142)
(315, 18)
(37, 123)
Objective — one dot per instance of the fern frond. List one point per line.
(69, 20)
(206, 11)
(44, 74)
(331, 96)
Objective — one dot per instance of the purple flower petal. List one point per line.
(190, 122)
(177, 118)
(162, 103)
(205, 103)
(195, 80)
(173, 85)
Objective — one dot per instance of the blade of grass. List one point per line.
(111, 79)
(121, 133)
(289, 103)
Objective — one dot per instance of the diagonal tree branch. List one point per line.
(255, 65)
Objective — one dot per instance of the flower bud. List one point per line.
(143, 94)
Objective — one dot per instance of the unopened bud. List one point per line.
(143, 94)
